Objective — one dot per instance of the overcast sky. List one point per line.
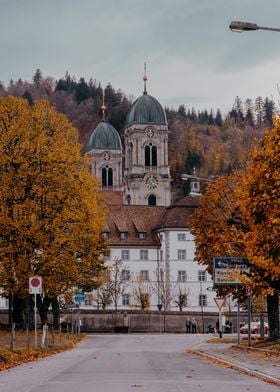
(192, 56)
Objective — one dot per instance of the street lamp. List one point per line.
(239, 27)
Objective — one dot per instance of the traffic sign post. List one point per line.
(249, 292)
(35, 287)
(220, 303)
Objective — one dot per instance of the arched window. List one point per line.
(147, 156)
(150, 155)
(154, 156)
(107, 176)
(152, 200)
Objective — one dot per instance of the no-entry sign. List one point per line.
(35, 285)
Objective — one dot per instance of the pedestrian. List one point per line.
(188, 325)
(194, 325)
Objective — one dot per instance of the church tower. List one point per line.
(146, 172)
(105, 149)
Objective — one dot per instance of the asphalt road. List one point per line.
(121, 363)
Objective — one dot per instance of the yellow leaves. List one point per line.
(12, 358)
(258, 198)
(49, 201)
(240, 216)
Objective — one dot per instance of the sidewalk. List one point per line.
(261, 364)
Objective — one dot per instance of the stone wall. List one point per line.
(136, 321)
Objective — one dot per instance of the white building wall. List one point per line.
(3, 301)
(164, 262)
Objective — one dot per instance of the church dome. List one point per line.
(104, 137)
(146, 109)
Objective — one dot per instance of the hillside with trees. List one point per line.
(213, 143)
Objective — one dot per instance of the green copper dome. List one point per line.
(146, 109)
(104, 137)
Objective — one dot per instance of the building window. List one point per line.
(144, 254)
(150, 155)
(182, 276)
(125, 254)
(202, 300)
(181, 237)
(202, 276)
(142, 235)
(144, 275)
(123, 235)
(125, 274)
(152, 200)
(125, 299)
(182, 254)
(106, 234)
(107, 176)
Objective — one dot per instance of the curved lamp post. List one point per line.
(239, 27)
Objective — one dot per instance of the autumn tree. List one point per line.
(182, 297)
(142, 291)
(258, 199)
(214, 235)
(50, 216)
(114, 285)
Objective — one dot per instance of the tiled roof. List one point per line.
(112, 197)
(179, 213)
(140, 225)
(188, 201)
(132, 218)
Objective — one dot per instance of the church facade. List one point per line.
(149, 236)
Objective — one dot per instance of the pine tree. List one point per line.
(268, 112)
(259, 111)
(218, 118)
(37, 78)
(82, 91)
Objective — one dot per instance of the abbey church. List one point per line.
(140, 170)
(147, 233)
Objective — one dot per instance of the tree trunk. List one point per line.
(17, 312)
(56, 312)
(43, 307)
(273, 315)
(28, 311)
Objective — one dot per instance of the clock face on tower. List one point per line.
(150, 131)
(152, 181)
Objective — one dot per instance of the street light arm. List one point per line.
(269, 28)
(239, 27)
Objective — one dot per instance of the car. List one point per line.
(255, 327)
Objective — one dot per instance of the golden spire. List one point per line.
(103, 107)
(145, 77)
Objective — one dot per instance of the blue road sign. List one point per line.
(225, 268)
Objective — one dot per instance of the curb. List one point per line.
(235, 366)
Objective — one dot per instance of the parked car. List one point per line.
(255, 327)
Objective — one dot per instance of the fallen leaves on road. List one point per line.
(11, 358)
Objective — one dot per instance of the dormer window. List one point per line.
(123, 235)
(142, 235)
(106, 234)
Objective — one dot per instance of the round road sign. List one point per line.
(35, 282)
(35, 285)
